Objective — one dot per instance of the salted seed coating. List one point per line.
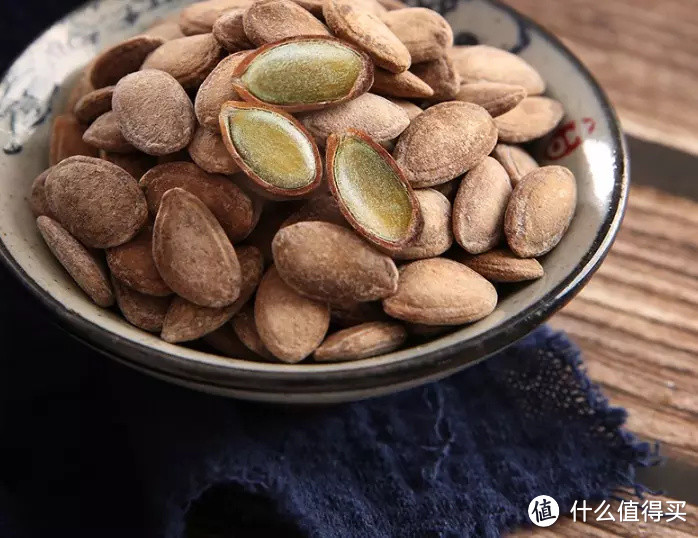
(81, 264)
(540, 210)
(192, 253)
(438, 291)
(290, 325)
(331, 263)
(96, 201)
(361, 341)
(146, 312)
(155, 113)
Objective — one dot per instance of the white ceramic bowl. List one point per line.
(589, 142)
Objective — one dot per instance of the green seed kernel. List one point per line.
(372, 191)
(272, 147)
(305, 73)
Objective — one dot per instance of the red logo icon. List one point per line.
(568, 137)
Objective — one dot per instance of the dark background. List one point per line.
(38, 357)
(23, 20)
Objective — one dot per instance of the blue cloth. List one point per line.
(91, 448)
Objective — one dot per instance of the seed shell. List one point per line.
(376, 116)
(436, 236)
(314, 6)
(351, 314)
(443, 142)
(37, 196)
(267, 21)
(290, 325)
(425, 33)
(66, 139)
(192, 253)
(208, 151)
(322, 207)
(405, 84)
(118, 61)
(81, 86)
(234, 209)
(479, 207)
(495, 97)
(502, 265)
(361, 341)
(155, 113)
(371, 6)
(448, 189)
(96, 201)
(92, 105)
(408, 107)
(166, 30)
(132, 263)
(483, 63)
(187, 321)
(533, 118)
(146, 312)
(244, 327)
(225, 342)
(82, 265)
(188, 59)
(540, 211)
(364, 29)
(216, 90)
(439, 291)
(229, 31)
(331, 263)
(392, 4)
(441, 77)
(105, 133)
(199, 18)
(516, 161)
(272, 217)
(136, 163)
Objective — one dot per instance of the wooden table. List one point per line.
(637, 321)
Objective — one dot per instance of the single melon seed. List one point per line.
(370, 188)
(271, 147)
(305, 73)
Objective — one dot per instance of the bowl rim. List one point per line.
(430, 364)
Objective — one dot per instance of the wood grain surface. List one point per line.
(643, 52)
(637, 321)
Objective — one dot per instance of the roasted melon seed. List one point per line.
(304, 73)
(371, 190)
(272, 148)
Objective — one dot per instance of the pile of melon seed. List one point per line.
(286, 179)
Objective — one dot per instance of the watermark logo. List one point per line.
(543, 511)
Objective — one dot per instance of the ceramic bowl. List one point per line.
(588, 141)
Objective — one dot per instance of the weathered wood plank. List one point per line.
(637, 321)
(644, 54)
